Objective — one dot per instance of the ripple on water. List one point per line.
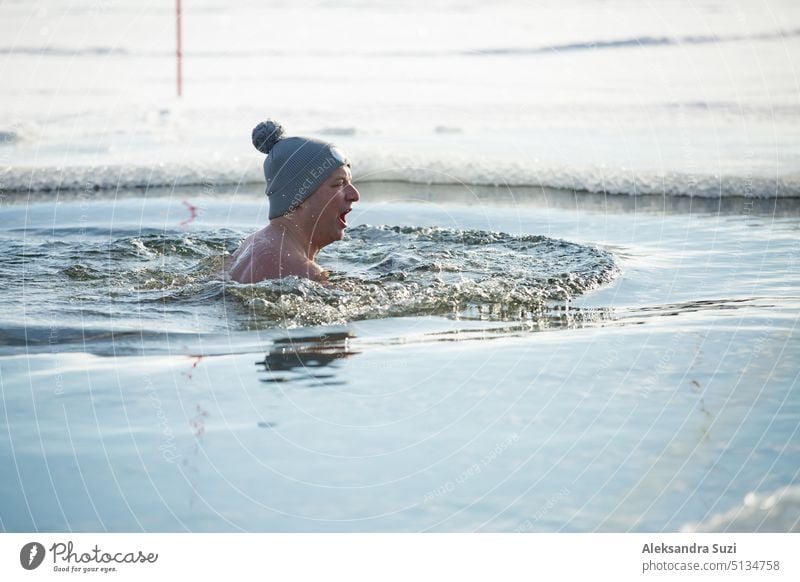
(376, 272)
(402, 271)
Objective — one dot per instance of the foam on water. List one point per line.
(771, 511)
(400, 271)
(429, 169)
(378, 272)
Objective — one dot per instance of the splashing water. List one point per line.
(170, 281)
(402, 271)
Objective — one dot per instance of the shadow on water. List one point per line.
(311, 360)
(315, 353)
(688, 307)
(306, 360)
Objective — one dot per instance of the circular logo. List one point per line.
(338, 155)
(31, 555)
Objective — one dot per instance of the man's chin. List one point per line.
(338, 234)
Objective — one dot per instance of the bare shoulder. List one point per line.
(264, 256)
(253, 261)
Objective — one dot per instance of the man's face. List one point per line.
(329, 205)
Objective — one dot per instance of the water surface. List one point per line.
(499, 360)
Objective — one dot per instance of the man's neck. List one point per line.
(296, 237)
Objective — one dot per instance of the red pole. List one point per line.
(179, 52)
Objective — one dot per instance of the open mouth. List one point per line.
(343, 218)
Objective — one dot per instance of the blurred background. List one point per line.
(679, 97)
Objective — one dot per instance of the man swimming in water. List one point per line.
(310, 191)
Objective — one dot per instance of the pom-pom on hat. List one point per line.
(295, 166)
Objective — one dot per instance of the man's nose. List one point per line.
(352, 193)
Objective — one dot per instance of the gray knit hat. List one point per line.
(295, 166)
